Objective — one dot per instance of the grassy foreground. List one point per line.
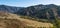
(8, 20)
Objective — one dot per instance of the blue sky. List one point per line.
(26, 3)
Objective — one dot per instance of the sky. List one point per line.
(26, 3)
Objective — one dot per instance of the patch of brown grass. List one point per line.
(11, 23)
(8, 20)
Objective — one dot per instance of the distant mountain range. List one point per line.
(40, 11)
(10, 9)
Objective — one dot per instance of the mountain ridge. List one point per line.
(39, 11)
(10, 9)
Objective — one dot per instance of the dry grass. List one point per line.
(11, 23)
(8, 20)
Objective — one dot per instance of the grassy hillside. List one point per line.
(8, 20)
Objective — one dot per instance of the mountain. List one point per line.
(41, 11)
(10, 9)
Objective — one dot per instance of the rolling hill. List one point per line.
(9, 20)
(41, 13)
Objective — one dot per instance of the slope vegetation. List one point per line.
(8, 20)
